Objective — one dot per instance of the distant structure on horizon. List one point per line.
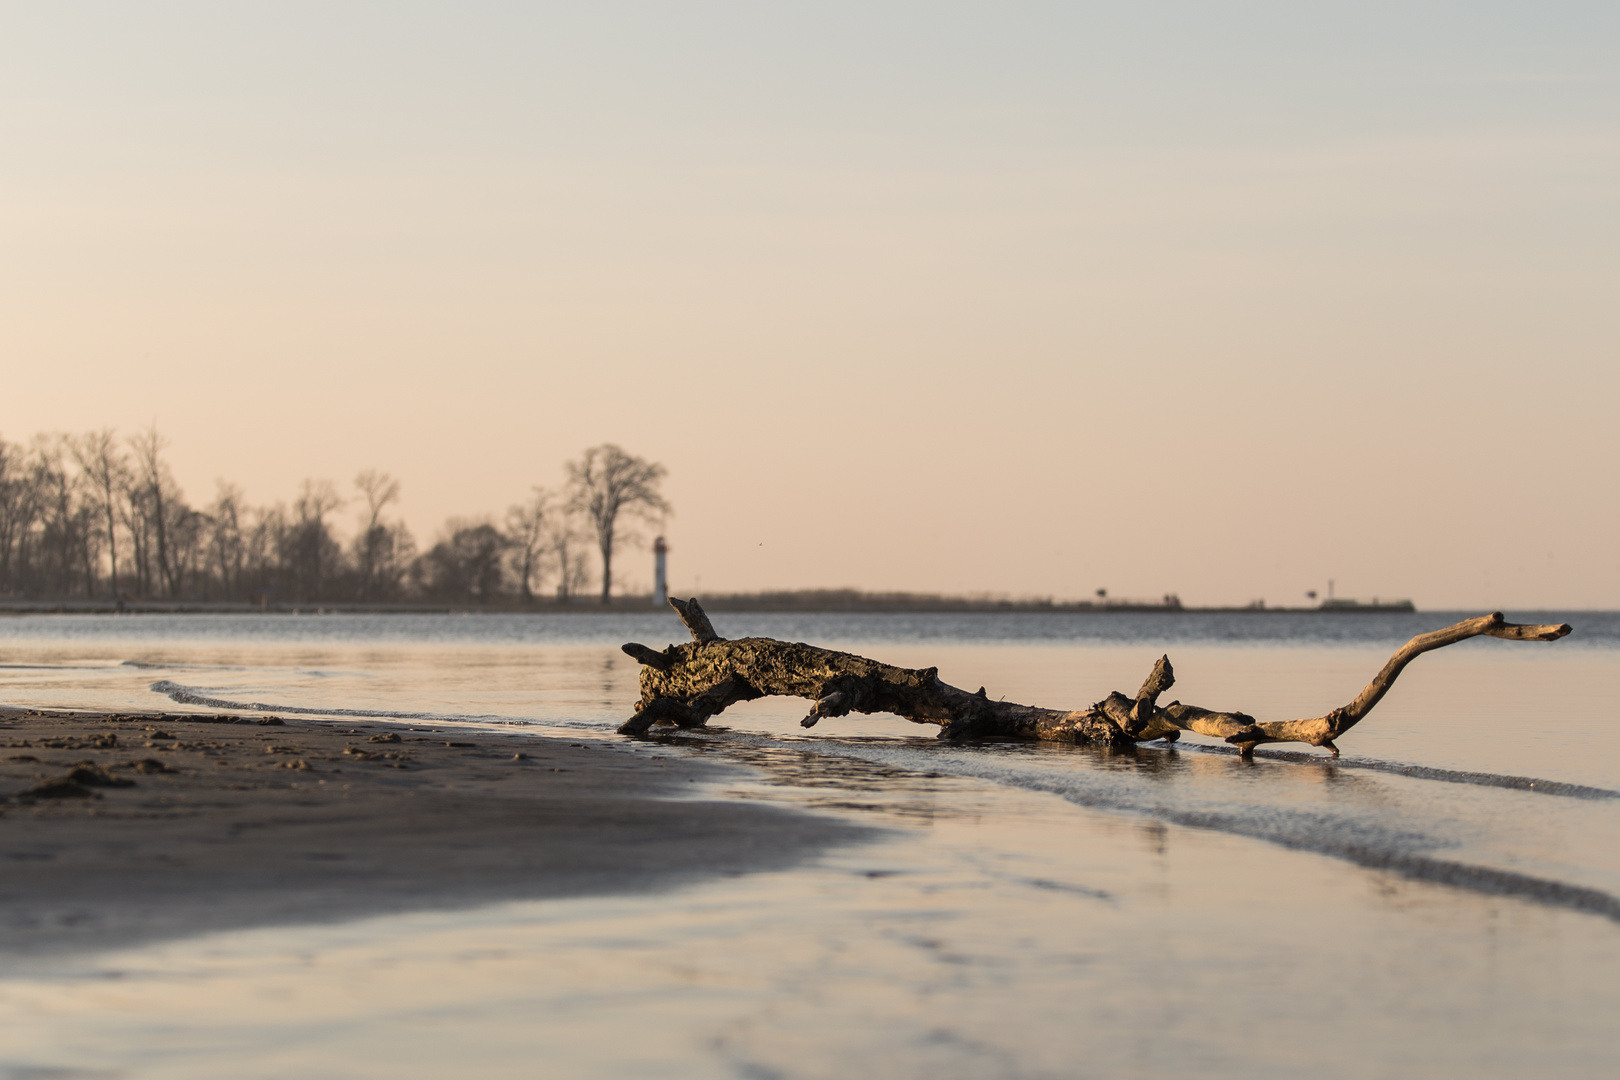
(1335, 603)
(660, 574)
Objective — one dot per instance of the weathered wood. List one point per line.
(1160, 679)
(1322, 730)
(644, 655)
(687, 684)
(696, 620)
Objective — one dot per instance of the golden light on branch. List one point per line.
(687, 684)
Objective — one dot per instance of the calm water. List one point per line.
(1440, 901)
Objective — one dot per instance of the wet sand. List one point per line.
(118, 829)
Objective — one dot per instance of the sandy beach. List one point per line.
(123, 828)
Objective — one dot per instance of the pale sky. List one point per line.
(1216, 299)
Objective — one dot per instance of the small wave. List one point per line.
(1370, 837)
(1394, 843)
(1460, 875)
(190, 695)
(1425, 772)
(1484, 879)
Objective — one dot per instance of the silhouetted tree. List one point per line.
(566, 541)
(376, 541)
(152, 492)
(189, 535)
(87, 512)
(16, 513)
(262, 574)
(61, 536)
(603, 484)
(308, 547)
(132, 510)
(468, 565)
(526, 524)
(108, 473)
(226, 549)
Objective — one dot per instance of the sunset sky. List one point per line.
(1216, 299)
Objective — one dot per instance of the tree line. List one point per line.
(96, 515)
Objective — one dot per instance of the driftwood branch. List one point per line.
(1322, 730)
(686, 684)
(692, 614)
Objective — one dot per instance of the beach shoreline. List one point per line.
(119, 829)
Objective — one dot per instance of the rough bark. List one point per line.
(686, 684)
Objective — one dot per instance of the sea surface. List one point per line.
(1442, 900)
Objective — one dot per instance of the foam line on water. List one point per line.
(187, 695)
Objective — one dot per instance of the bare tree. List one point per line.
(25, 484)
(467, 564)
(133, 513)
(375, 539)
(31, 491)
(226, 547)
(189, 549)
(565, 540)
(314, 554)
(156, 489)
(60, 540)
(108, 471)
(394, 554)
(16, 514)
(526, 525)
(264, 571)
(606, 482)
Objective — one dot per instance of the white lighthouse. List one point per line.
(660, 575)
